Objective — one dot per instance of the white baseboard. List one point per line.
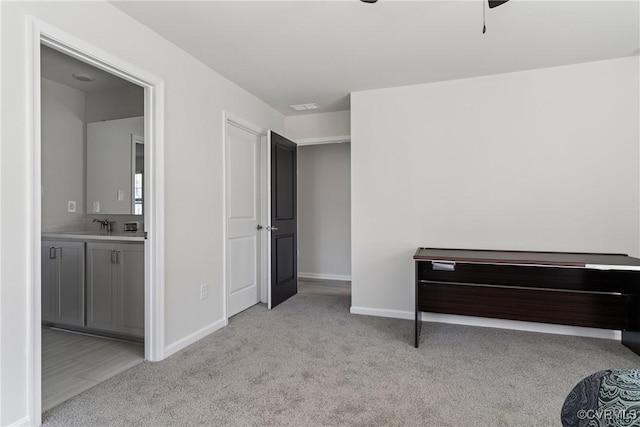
(191, 338)
(320, 276)
(383, 312)
(26, 421)
(545, 328)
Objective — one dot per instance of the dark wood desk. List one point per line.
(579, 289)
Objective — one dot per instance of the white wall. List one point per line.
(112, 104)
(62, 156)
(542, 160)
(324, 211)
(193, 174)
(320, 125)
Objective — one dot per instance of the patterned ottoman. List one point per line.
(608, 398)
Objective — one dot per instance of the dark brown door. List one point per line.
(284, 224)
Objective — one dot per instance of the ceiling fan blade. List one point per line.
(495, 3)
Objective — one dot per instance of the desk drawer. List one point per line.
(568, 308)
(527, 276)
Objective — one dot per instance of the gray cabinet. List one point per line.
(115, 287)
(62, 292)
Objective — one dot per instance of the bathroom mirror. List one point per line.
(115, 166)
(137, 166)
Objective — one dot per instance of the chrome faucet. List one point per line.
(105, 224)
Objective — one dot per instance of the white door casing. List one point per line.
(243, 212)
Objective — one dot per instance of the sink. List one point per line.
(90, 233)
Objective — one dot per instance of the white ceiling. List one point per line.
(59, 67)
(303, 51)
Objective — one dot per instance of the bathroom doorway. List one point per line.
(42, 33)
(92, 226)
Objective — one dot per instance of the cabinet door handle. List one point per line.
(118, 257)
(52, 252)
(114, 257)
(443, 265)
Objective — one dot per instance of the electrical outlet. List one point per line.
(204, 291)
(71, 206)
(96, 207)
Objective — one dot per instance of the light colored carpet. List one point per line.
(310, 363)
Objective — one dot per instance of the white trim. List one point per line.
(382, 312)
(225, 297)
(321, 276)
(483, 322)
(196, 336)
(21, 422)
(324, 140)
(34, 307)
(39, 33)
(1, 240)
(1, 382)
(154, 220)
(243, 124)
(267, 168)
(265, 185)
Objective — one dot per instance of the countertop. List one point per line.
(96, 235)
(554, 259)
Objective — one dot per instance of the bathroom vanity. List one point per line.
(94, 282)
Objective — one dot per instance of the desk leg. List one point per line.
(418, 322)
(631, 336)
(631, 340)
(417, 328)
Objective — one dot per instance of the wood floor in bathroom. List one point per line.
(73, 363)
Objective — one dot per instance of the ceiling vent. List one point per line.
(83, 77)
(303, 107)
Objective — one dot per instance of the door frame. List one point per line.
(230, 119)
(40, 32)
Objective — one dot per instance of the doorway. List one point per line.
(153, 254)
(324, 194)
(92, 308)
(260, 217)
(244, 214)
